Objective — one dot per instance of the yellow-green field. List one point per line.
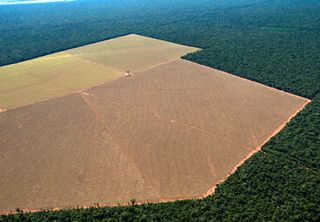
(132, 52)
(48, 77)
(62, 73)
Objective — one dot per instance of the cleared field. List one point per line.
(78, 151)
(230, 107)
(132, 52)
(48, 77)
(62, 73)
(170, 132)
(66, 158)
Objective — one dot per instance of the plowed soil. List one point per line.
(229, 107)
(170, 132)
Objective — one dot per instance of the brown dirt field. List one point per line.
(55, 154)
(170, 132)
(232, 108)
(258, 148)
(165, 152)
(79, 150)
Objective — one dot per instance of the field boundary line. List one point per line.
(173, 121)
(74, 92)
(116, 140)
(166, 200)
(77, 91)
(251, 81)
(124, 76)
(155, 66)
(202, 130)
(257, 149)
(41, 101)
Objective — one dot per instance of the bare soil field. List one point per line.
(55, 154)
(231, 108)
(169, 132)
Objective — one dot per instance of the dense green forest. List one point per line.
(275, 42)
